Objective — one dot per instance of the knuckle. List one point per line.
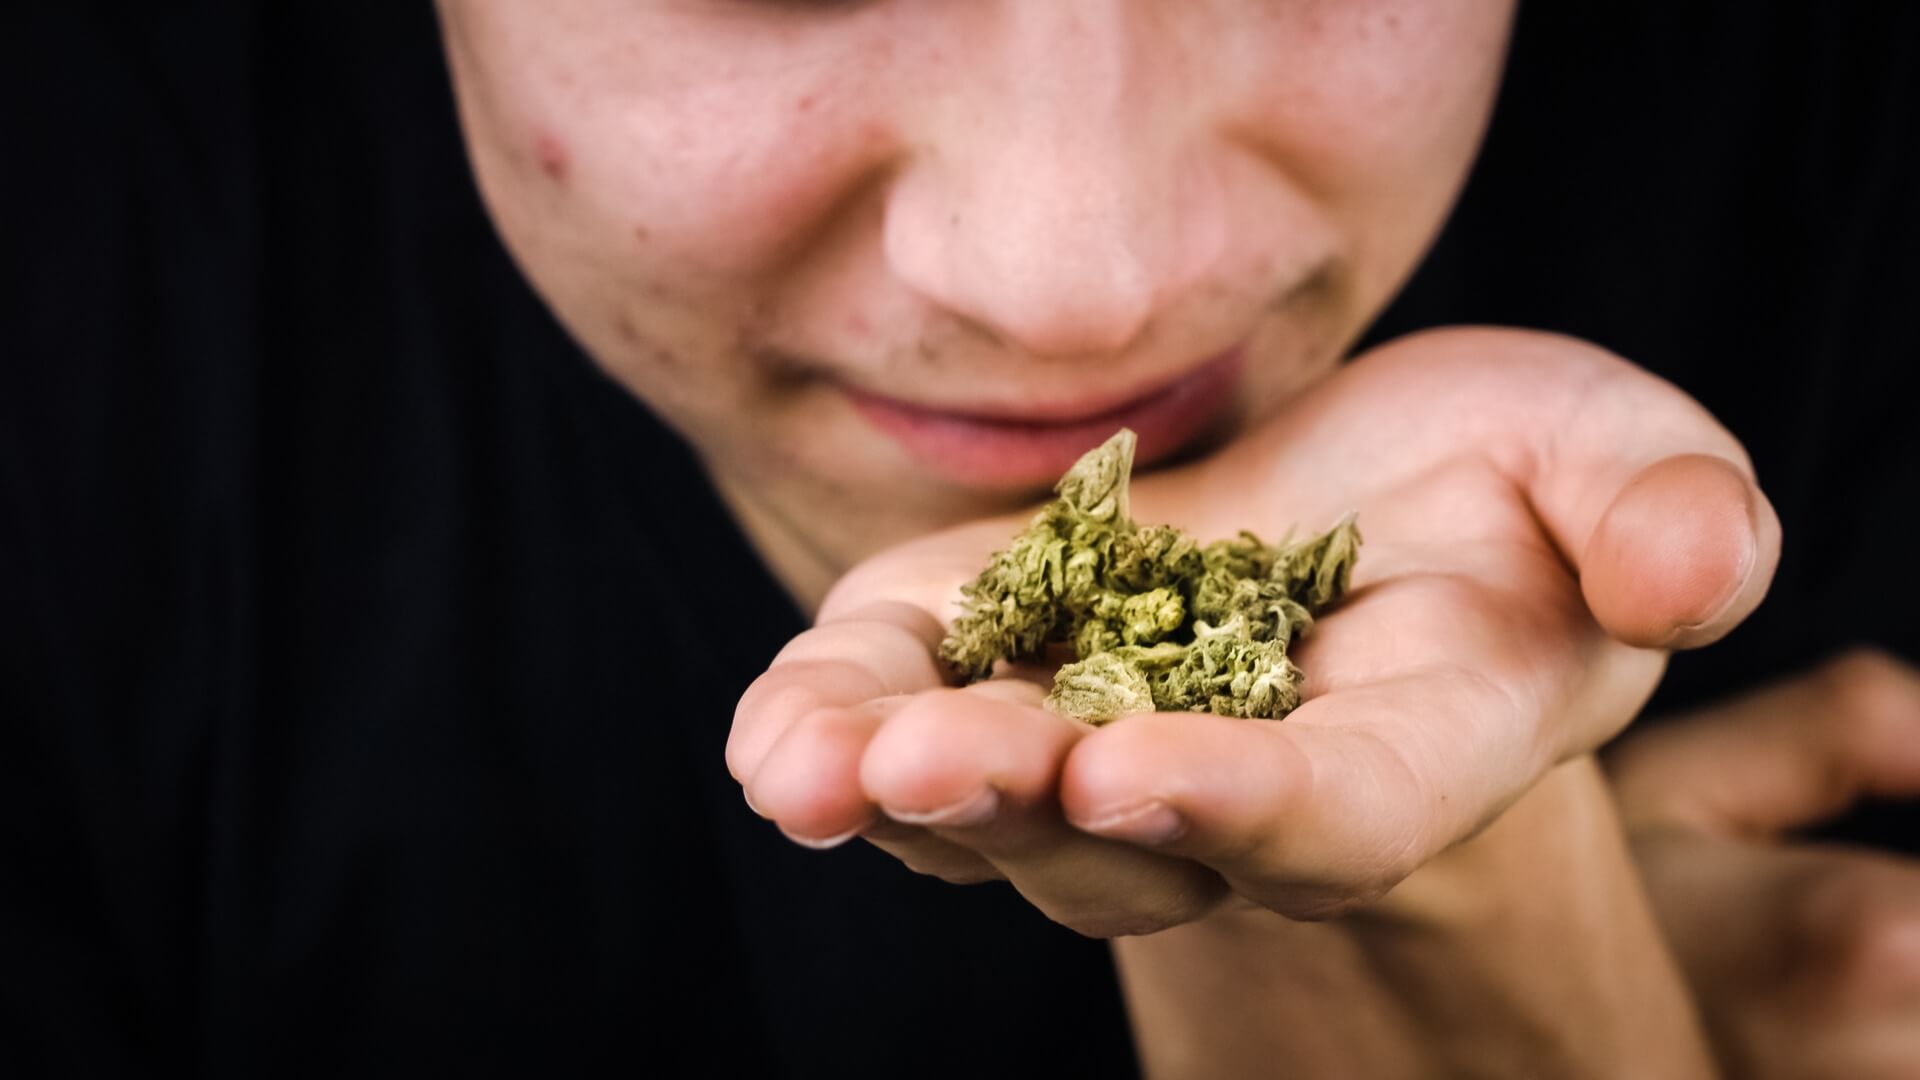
(910, 620)
(918, 739)
(832, 641)
(1873, 704)
(927, 714)
(809, 728)
(1870, 659)
(855, 590)
(781, 693)
(1871, 688)
(937, 746)
(773, 701)
(811, 770)
(876, 648)
(918, 575)
(1862, 936)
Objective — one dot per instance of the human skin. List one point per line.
(1541, 519)
(752, 214)
(1805, 956)
(745, 209)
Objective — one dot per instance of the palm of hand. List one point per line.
(1485, 466)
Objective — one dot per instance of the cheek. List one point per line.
(720, 176)
(1382, 96)
(652, 212)
(737, 204)
(1378, 110)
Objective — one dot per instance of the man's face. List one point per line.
(890, 264)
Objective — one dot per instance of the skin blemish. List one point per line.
(664, 358)
(654, 353)
(642, 234)
(551, 154)
(804, 104)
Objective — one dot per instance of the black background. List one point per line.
(354, 715)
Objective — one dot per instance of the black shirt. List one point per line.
(358, 714)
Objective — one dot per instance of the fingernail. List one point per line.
(975, 809)
(1721, 607)
(823, 843)
(1152, 822)
(1749, 558)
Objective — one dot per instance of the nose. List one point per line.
(1060, 199)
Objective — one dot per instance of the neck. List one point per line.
(802, 568)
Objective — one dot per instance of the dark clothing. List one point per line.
(359, 714)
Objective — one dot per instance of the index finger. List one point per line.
(877, 650)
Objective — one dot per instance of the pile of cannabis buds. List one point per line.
(1157, 621)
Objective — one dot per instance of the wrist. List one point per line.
(1527, 951)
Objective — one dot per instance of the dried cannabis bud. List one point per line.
(1157, 621)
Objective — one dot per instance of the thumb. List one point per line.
(1683, 553)
(1656, 505)
(1786, 756)
(1648, 497)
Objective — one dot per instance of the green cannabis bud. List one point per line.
(1157, 621)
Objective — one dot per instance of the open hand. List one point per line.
(1543, 521)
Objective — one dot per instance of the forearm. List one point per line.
(1529, 951)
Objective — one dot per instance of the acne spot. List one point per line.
(804, 104)
(551, 154)
(641, 234)
(628, 333)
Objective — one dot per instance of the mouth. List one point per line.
(1033, 444)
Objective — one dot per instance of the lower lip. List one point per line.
(979, 452)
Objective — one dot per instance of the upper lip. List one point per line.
(1061, 411)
